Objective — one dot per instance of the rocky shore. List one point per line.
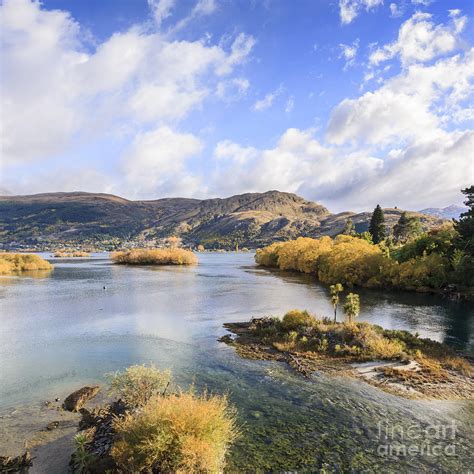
(404, 377)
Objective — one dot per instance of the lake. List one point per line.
(64, 330)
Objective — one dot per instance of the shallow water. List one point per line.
(62, 330)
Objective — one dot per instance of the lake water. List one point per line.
(63, 330)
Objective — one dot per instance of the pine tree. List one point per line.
(406, 228)
(465, 225)
(377, 225)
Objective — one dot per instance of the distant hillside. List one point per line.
(253, 219)
(449, 212)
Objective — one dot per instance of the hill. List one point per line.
(104, 220)
(449, 212)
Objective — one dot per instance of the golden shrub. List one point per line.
(22, 262)
(181, 433)
(168, 256)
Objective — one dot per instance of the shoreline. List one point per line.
(398, 377)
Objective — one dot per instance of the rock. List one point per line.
(227, 339)
(19, 464)
(77, 399)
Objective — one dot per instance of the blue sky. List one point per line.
(349, 103)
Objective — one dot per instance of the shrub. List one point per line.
(182, 433)
(171, 256)
(296, 320)
(138, 383)
(11, 263)
(74, 253)
(268, 256)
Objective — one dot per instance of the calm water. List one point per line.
(62, 330)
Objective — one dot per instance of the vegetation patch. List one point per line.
(168, 256)
(14, 263)
(153, 428)
(71, 254)
(403, 363)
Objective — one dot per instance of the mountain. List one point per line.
(105, 220)
(449, 212)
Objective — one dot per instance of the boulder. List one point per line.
(77, 399)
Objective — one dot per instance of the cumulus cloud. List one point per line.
(349, 9)
(419, 39)
(135, 78)
(155, 163)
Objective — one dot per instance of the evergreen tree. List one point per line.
(406, 228)
(349, 228)
(465, 225)
(377, 225)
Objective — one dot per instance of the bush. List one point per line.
(74, 253)
(296, 320)
(180, 433)
(11, 263)
(171, 256)
(138, 383)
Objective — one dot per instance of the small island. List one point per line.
(396, 361)
(18, 263)
(165, 256)
(71, 254)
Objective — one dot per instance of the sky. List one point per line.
(349, 103)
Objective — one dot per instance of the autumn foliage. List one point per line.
(12, 263)
(168, 256)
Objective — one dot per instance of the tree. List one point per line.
(465, 225)
(377, 225)
(349, 228)
(406, 227)
(335, 290)
(352, 306)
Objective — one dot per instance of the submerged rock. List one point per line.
(77, 399)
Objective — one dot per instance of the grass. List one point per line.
(181, 433)
(73, 253)
(155, 257)
(12, 263)
(138, 383)
(300, 331)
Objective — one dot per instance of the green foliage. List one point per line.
(352, 306)
(81, 458)
(181, 433)
(138, 383)
(406, 228)
(465, 225)
(377, 225)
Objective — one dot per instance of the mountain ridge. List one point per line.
(46, 220)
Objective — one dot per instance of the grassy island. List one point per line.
(16, 263)
(172, 256)
(396, 361)
(71, 254)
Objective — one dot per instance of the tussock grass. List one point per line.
(169, 256)
(74, 253)
(11, 263)
(138, 383)
(300, 331)
(180, 433)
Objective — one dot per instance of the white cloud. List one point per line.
(396, 11)
(425, 3)
(267, 101)
(349, 9)
(233, 89)
(136, 77)
(155, 164)
(290, 104)
(349, 52)
(419, 39)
